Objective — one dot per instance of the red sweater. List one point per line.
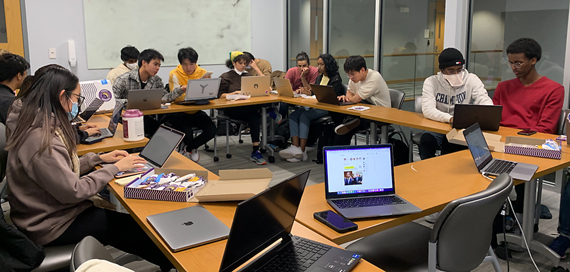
(536, 107)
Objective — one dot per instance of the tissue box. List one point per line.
(151, 194)
(513, 145)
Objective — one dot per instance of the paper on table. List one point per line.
(359, 108)
(126, 180)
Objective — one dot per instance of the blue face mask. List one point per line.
(74, 111)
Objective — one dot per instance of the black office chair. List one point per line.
(416, 137)
(397, 99)
(460, 239)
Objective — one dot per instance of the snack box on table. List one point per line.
(527, 147)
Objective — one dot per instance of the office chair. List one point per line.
(460, 239)
(416, 137)
(89, 248)
(241, 125)
(397, 98)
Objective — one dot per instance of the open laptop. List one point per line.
(283, 86)
(488, 116)
(255, 85)
(111, 129)
(359, 181)
(199, 91)
(189, 227)
(145, 99)
(88, 112)
(158, 149)
(485, 162)
(326, 94)
(264, 222)
(98, 89)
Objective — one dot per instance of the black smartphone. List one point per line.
(335, 221)
(527, 132)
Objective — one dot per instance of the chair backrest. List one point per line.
(418, 104)
(345, 86)
(463, 229)
(89, 248)
(397, 98)
(562, 122)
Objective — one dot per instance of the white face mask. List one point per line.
(132, 65)
(454, 80)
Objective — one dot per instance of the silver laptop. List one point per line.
(145, 99)
(485, 162)
(284, 88)
(359, 181)
(188, 227)
(255, 85)
(111, 129)
(199, 91)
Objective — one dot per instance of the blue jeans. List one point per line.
(564, 219)
(300, 121)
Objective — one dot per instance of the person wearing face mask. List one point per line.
(231, 84)
(451, 85)
(129, 56)
(51, 187)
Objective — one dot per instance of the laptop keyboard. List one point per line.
(368, 201)
(105, 132)
(298, 257)
(501, 166)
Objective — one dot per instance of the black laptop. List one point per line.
(326, 94)
(88, 112)
(267, 218)
(488, 116)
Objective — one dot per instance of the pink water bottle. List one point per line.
(133, 125)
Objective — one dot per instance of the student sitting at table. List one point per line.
(13, 71)
(451, 85)
(302, 75)
(231, 84)
(129, 56)
(50, 191)
(178, 77)
(257, 67)
(365, 85)
(300, 120)
(145, 78)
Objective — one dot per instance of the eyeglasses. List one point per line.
(453, 71)
(80, 99)
(517, 64)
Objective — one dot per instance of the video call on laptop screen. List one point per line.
(359, 170)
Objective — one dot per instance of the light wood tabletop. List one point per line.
(429, 184)
(404, 118)
(111, 143)
(215, 104)
(313, 103)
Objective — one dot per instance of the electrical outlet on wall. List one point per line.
(52, 53)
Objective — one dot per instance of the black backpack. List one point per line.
(400, 149)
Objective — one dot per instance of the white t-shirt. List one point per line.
(372, 89)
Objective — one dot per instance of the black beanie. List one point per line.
(450, 57)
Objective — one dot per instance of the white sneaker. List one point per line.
(290, 152)
(194, 155)
(302, 157)
(432, 217)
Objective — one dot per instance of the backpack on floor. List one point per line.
(400, 149)
(326, 138)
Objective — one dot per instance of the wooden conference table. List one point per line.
(207, 257)
(111, 143)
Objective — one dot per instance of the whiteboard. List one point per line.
(212, 27)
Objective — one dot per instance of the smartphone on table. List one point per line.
(335, 221)
(527, 132)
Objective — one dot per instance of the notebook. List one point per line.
(111, 129)
(283, 86)
(485, 162)
(157, 151)
(189, 227)
(88, 112)
(488, 116)
(255, 85)
(267, 219)
(326, 94)
(199, 91)
(145, 99)
(359, 181)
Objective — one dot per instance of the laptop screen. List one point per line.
(161, 145)
(262, 220)
(93, 107)
(115, 117)
(477, 145)
(358, 170)
(200, 89)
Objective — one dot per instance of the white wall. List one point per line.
(51, 23)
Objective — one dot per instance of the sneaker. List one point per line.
(194, 155)
(303, 157)
(348, 125)
(291, 152)
(257, 158)
(560, 245)
(432, 217)
(275, 116)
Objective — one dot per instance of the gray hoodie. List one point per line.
(439, 98)
(45, 194)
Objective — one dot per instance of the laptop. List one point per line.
(488, 116)
(111, 129)
(98, 89)
(189, 227)
(485, 162)
(359, 181)
(199, 91)
(264, 222)
(255, 85)
(284, 88)
(157, 151)
(145, 99)
(88, 112)
(326, 94)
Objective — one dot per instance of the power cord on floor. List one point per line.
(522, 233)
(503, 213)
